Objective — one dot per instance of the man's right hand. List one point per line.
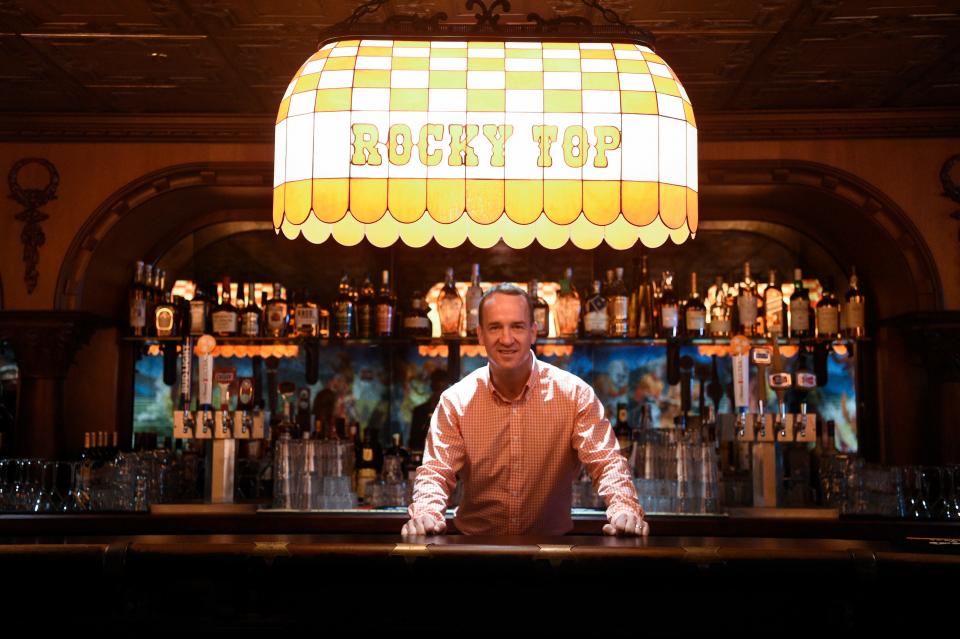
(423, 525)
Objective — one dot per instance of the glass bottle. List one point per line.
(595, 319)
(385, 307)
(307, 315)
(167, 317)
(416, 323)
(695, 312)
(225, 318)
(343, 309)
(622, 430)
(369, 463)
(450, 307)
(250, 315)
(646, 322)
(720, 321)
(669, 308)
(567, 308)
(799, 307)
(474, 293)
(276, 313)
(773, 308)
(618, 305)
(854, 325)
(366, 309)
(138, 302)
(541, 310)
(747, 303)
(149, 295)
(200, 311)
(633, 290)
(828, 313)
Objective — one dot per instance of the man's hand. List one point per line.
(423, 525)
(627, 525)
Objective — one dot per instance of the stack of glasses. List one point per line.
(313, 474)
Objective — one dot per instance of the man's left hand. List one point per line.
(627, 525)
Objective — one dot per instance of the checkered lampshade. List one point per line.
(483, 141)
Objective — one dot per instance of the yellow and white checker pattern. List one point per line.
(408, 100)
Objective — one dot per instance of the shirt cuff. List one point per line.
(415, 510)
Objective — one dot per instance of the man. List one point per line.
(516, 431)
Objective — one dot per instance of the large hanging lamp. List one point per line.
(514, 134)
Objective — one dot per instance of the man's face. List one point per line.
(507, 332)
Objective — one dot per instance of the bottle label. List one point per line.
(224, 322)
(855, 315)
(618, 309)
(540, 317)
(416, 321)
(720, 326)
(367, 454)
(164, 321)
(197, 318)
(276, 317)
(747, 307)
(306, 316)
(696, 319)
(138, 313)
(384, 319)
(344, 314)
(799, 316)
(250, 324)
(828, 321)
(365, 320)
(596, 322)
(669, 316)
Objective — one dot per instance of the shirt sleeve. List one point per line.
(442, 459)
(597, 447)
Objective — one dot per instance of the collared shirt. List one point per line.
(518, 458)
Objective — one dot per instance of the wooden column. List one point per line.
(45, 343)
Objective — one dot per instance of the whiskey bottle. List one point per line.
(416, 323)
(828, 313)
(307, 316)
(695, 313)
(474, 294)
(251, 313)
(669, 308)
(149, 296)
(138, 302)
(773, 307)
(595, 319)
(799, 307)
(720, 312)
(200, 311)
(167, 317)
(633, 293)
(623, 431)
(567, 308)
(225, 318)
(343, 309)
(386, 306)
(450, 307)
(747, 303)
(366, 309)
(854, 325)
(276, 313)
(618, 305)
(541, 310)
(369, 463)
(646, 322)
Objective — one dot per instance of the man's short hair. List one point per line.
(505, 288)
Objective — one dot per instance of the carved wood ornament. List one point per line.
(32, 199)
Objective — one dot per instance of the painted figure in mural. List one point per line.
(420, 419)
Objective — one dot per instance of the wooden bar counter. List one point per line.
(353, 572)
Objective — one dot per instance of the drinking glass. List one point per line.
(47, 500)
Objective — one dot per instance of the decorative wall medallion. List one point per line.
(32, 199)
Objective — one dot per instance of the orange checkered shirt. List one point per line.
(518, 459)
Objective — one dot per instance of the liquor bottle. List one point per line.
(854, 325)
(366, 309)
(386, 306)
(633, 292)
(416, 322)
(828, 313)
(276, 313)
(623, 431)
(773, 308)
(695, 313)
(149, 295)
(224, 317)
(450, 307)
(541, 310)
(720, 312)
(799, 307)
(474, 293)
(595, 318)
(166, 317)
(307, 315)
(396, 449)
(369, 463)
(618, 306)
(200, 311)
(157, 296)
(138, 302)
(343, 309)
(251, 313)
(646, 322)
(669, 308)
(567, 308)
(747, 303)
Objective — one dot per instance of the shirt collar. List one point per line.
(528, 387)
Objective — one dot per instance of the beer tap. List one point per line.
(245, 406)
(780, 382)
(224, 378)
(805, 382)
(762, 358)
(740, 355)
(185, 426)
(205, 346)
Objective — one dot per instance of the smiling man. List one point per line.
(516, 431)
